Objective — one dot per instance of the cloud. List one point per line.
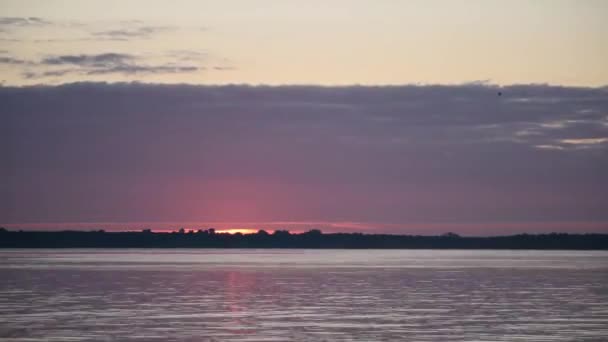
(16, 22)
(144, 69)
(12, 60)
(10, 25)
(224, 68)
(97, 64)
(549, 147)
(393, 154)
(581, 143)
(585, 141)
(99, 60)
(129, 33)
(86, 66)
(188, 55)
(107, 63)
(44, 74)
(74, 31)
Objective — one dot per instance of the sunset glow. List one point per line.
(403, 117)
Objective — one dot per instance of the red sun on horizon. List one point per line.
(238, 230)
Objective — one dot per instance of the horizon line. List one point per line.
(272, 232)
(470, 228)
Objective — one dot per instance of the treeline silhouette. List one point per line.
(209, 238)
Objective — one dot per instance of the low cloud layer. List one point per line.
(393, 156)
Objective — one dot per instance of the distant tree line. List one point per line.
(209, 238)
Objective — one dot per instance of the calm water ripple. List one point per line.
(303, 295)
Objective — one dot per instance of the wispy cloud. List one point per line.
(143, 69)
(86, 66)
(549, 147)
(224, 68)
(129, 33)
(98, 60)
(12, 60)
(188, 55)
(45, 74)
(585, 141)
(113, 63)
(76, 31)
(8, 23)
(104, 63)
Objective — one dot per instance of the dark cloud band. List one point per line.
(453, 154)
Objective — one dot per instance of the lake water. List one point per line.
(303, 295)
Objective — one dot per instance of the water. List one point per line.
(303, 295)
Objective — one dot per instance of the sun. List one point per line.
(238, 230)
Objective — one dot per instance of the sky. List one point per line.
(413, 117)
(308, 42)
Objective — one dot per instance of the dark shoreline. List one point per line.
(284, 239)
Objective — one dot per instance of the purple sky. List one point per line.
(400, 159)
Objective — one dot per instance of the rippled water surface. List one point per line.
(303, 295)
